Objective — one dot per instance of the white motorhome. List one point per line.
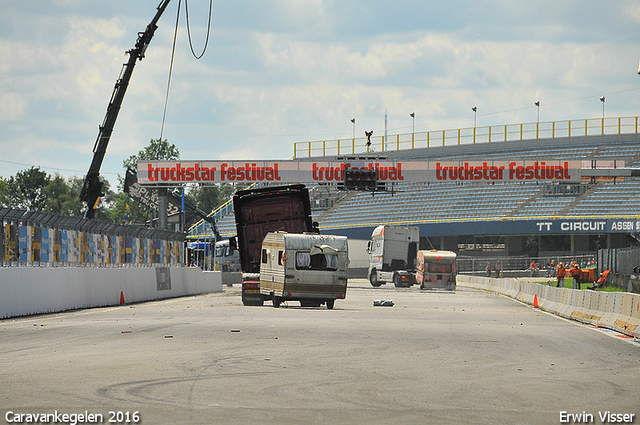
(392, 255)
(308, 267)
(436, 269)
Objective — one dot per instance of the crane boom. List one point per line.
(92, 187)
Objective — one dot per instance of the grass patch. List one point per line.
(568, 283)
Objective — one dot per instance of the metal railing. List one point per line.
(37, 239)
(469, 135)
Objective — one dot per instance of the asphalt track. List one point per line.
(468, 357)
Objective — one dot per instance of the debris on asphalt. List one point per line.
(383, 303)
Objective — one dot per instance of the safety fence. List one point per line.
(469, 135)
(36, 239)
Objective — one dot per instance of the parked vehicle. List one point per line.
(309, 268)
(436, 269)
(392, 255)
(258, 212)
(227, 259)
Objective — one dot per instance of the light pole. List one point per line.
(475, 116)
(353, 121)
(413, 129)
(602, 100)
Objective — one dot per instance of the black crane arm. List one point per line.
(92, 187)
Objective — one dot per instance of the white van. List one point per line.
(308, 267)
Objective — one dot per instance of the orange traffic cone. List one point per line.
(122, 298)
(535, 301)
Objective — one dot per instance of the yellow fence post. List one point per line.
(324, 148)
(442, 137)
(353, 146)
(295, 150)
(428, 132)
(553, 129)
(505, 132)
(602, 125)
(521, 131)
(489, 134)
(459, 136)
(619, 125)
(338, 146)
(309, 149)
(586, 126)
(537, 130)
(413, 140)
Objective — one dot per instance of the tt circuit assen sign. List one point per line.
(388, 171)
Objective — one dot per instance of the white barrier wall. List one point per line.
(34, 290)
(619, 311)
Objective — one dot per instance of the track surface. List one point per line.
(435, 357)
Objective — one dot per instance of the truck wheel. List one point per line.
(330, 304)
(373, 278)
(396, 280)
(276, 301)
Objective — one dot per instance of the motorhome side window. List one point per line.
(306, 261)
(281, 258)
(265, 256)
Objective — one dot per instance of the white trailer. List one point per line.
(392, 255)
(308, 267)
(436, 269)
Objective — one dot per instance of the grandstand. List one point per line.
(447, 212)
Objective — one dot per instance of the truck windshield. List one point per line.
(439, 268)
(306, 261)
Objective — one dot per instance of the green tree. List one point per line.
(63, 196)
(4, 192)
(157, 149)
(26, 189)
(208, 198)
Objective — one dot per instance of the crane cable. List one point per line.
(173, 51)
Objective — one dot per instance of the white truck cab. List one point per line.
(392, 255)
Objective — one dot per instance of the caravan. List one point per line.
(436, 269)
(308, 267)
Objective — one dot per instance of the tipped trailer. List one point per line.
(258, 212)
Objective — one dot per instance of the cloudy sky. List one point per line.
(280, 71)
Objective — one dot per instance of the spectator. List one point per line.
(533, 268)
(602, 281)
(497, 268)
(488, 269)
(560, 273)
(553, 268)
(576, 273)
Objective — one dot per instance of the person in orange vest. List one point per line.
(577, 274)
(561, 272)
(602, 281)
(534, 268)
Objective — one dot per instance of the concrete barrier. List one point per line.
(613, 310)
(35, 290)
